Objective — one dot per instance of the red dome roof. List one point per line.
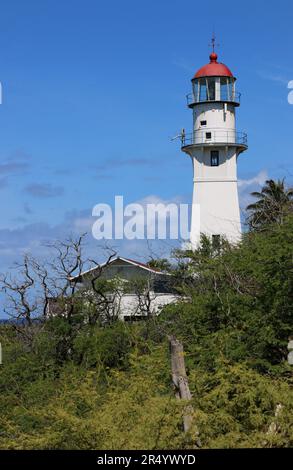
(213, 69)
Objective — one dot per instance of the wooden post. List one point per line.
(274, 427)
(290, 354)
(180, 381)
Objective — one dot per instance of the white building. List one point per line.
(214, 146)
(143, 298)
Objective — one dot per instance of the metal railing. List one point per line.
(209, 136)
(230, 97)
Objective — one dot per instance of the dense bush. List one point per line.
(239, 301)
(68, 384)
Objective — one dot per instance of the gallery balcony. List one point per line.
(223, 96)
(210, 137)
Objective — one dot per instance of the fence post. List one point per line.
(180, 382)
(290, 353)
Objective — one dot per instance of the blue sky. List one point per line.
(93, 91)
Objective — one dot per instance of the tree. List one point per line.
(38, 290)
(274, 201)
(237, 302)
(162, 264)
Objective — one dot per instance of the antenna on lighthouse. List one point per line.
(213, 42)
(180, 136)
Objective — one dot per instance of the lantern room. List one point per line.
(213, 82)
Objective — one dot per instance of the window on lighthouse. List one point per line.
(202, 90)
(216, 242)
(224, 88)
(227, 88)
(215, 158)
(211, 89)
(230, 89)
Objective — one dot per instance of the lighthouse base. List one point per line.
(215, 211)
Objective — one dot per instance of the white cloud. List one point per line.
(258, 179)
(183, 64)
(43, 190)
(32, 238)
(274, 78)
(247, 186)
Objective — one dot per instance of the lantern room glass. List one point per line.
(214, 89)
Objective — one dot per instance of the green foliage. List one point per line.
(161, 264)
(136, 410)
(274, 202)
(109, 346)
(239, 405)
(234, 406)
(72, 383)
(238, 301)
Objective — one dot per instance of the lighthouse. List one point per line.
(214, 146)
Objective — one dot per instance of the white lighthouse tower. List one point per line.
(214, 145)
